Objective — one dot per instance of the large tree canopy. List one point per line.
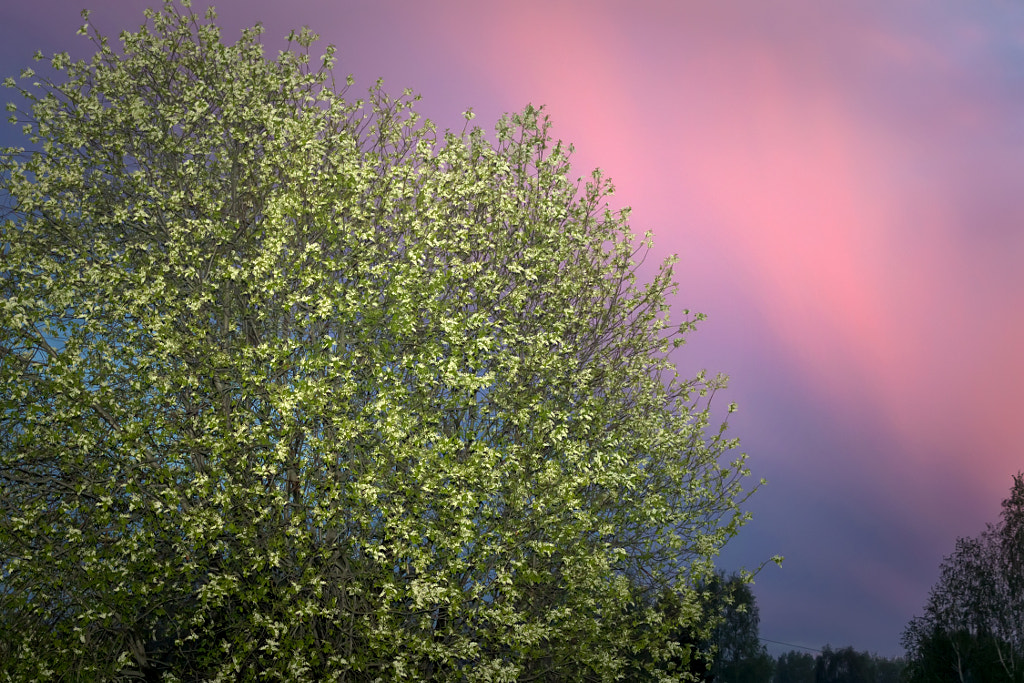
(294, 386)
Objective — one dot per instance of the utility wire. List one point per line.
(777, 642)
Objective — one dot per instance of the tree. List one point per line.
(291, 384)
(739, 655)
(973, 623)
(690, 633)
(843, 666)
(722, 644)
(794, 667)
(889, 670)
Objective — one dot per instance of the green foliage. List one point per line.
(293, 387)
(971, 628)
(739, 655)
(722, 642)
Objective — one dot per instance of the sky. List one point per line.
(844, 186)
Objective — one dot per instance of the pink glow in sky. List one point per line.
(833, 159)
(844, 185)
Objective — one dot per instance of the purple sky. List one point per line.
(844, 185)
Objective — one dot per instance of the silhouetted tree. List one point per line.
(955, 657)
(844, 666)
(972, 628)
(794, 667)
(728, 629)
(889, 670)
(739, 655)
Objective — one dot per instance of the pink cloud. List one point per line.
(822, 159)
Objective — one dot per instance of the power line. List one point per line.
(778, 642)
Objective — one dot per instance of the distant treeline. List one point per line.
(845, 665)
(741, 657)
